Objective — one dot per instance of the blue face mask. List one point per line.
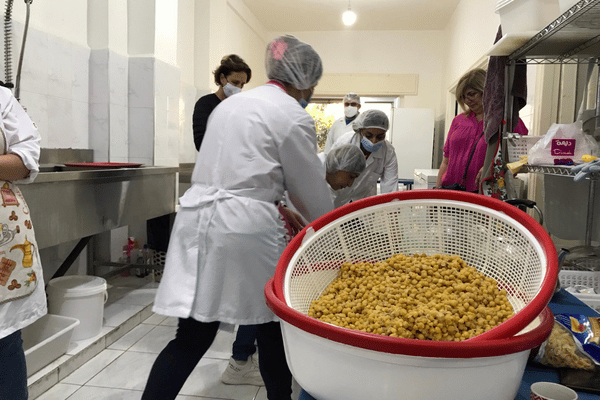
(304, 102)
(369, 146)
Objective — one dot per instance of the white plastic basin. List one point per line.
(46, 340)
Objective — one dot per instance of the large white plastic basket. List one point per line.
(498, 239)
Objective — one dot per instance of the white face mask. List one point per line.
(350, 111)
(230, 90)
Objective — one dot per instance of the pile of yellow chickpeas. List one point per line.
(435, 297)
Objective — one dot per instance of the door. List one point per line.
(412, 137)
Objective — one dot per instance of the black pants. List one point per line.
(193, 338)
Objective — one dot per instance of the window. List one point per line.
(326, 111)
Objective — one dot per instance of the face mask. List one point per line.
(304, 102)
(369, 146)
(350, 111)
(230, 90)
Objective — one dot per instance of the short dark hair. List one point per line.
(231, 63)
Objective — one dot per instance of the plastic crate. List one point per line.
(584, 278)
(520, 146)
(158, 259)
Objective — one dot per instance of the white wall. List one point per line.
(233, 29)
(381, 52)
(469, 35)
(218, 28)
(66, 19)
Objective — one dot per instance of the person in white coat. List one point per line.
(343, 125)
(19, 158)
(343, 165)
(369, 131)
(228, 234)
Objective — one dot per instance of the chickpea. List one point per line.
(435, 297)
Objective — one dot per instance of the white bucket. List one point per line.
(81, 297)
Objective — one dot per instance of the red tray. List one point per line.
(103, 165)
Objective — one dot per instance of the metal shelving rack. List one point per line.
(572, 38)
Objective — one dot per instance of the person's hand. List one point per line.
(295, 220)
(478, 177)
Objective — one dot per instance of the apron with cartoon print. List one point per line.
(19, 258)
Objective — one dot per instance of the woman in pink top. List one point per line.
(465, 136)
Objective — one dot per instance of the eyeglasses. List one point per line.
(472, 94)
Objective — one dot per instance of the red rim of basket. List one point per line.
(507, 329)
(411, 347)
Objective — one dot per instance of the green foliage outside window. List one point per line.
(322, 122)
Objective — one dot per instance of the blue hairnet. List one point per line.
(346, 157)
(291, 61)
(371, 119)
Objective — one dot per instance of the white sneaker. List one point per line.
(243, 372)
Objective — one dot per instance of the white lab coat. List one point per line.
(23, 139)
(337, 130)
(228, 234)
(381, 164)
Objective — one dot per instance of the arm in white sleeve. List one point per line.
(22, 136)
(389, 178)
(331, 137)
(303, 172)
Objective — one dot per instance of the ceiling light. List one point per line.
(348, 17)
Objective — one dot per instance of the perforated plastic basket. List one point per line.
(590, 279)
(520, 146)
(498, 239)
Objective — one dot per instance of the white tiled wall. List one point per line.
(141, 120)
(54, 86)
(166, 102)
(187, 149)
(127, 109)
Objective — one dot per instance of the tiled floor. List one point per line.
(119, 368)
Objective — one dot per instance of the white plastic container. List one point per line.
(339, 371)
(589, 279)
(425, 178)
(518, 16)
(81, 297)
(46, 340)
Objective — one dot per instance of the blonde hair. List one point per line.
(474, 79)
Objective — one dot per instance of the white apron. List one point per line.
(23, 139)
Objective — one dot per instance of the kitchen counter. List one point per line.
(68, 204)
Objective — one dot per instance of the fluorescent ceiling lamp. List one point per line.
(348, 17)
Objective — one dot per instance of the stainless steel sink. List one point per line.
(71, 203)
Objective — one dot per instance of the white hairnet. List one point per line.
(352, 96)
(346, 157)
(291, 61)
(371, 119)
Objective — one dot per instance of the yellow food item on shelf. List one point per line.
(587, 158)
(435, 297)
(515, 167)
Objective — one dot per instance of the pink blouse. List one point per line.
(466, 132)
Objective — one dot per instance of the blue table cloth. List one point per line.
(562, 302)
